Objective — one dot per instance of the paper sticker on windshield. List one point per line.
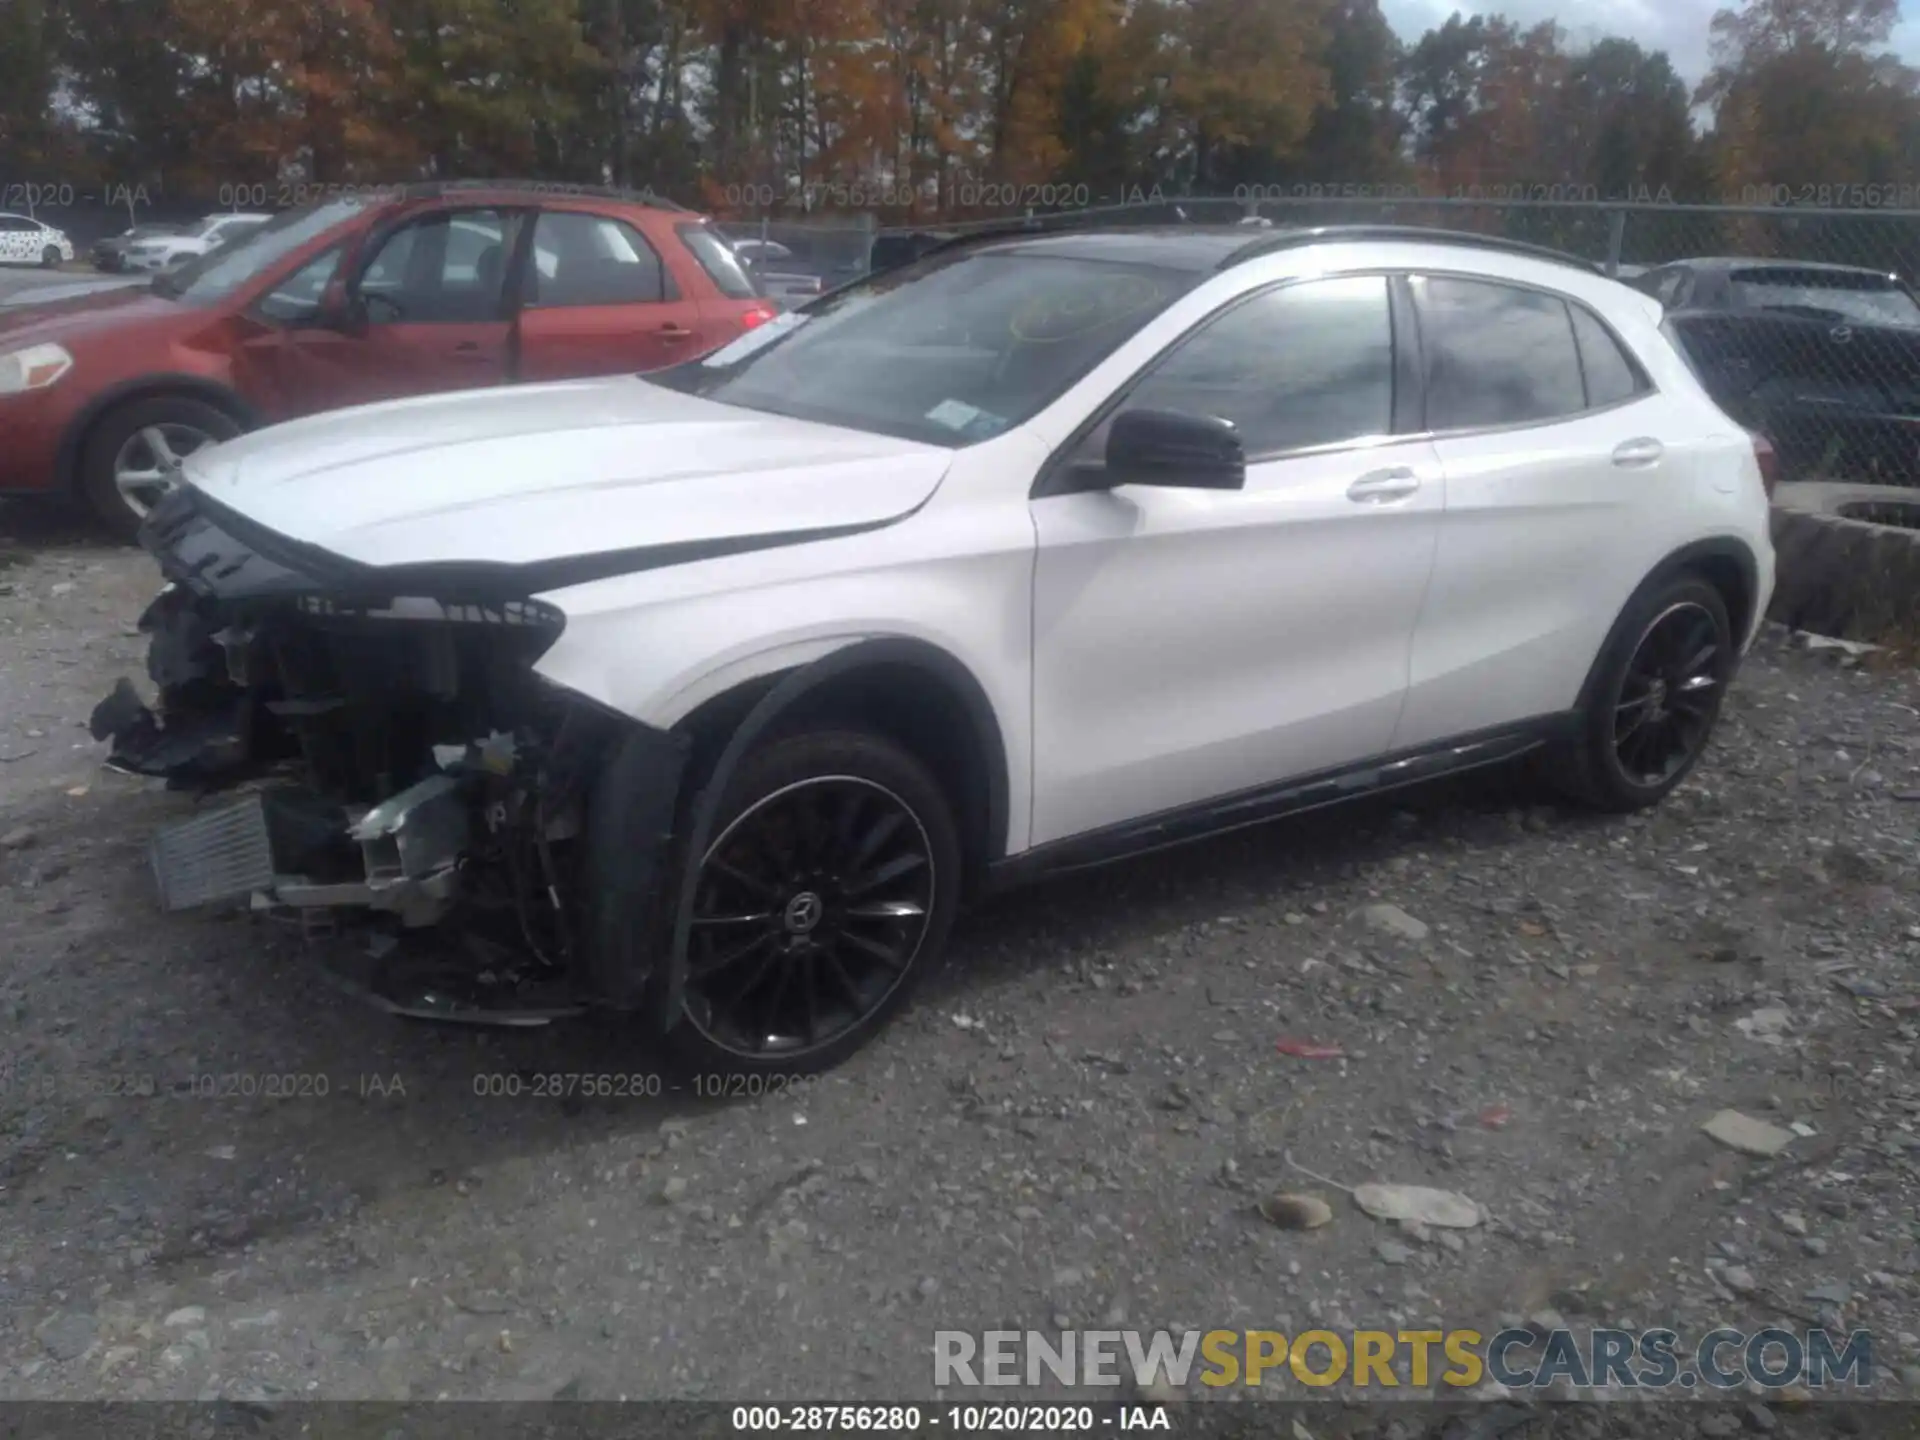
(754, 340)
(954, 414)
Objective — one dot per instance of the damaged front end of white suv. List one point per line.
(393, 755)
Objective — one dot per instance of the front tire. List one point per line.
(1657, 694)
(825, 898)
(133, 456)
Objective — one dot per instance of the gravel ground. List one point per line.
(1074, 1126)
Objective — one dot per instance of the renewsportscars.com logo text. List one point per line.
(1517, 1359)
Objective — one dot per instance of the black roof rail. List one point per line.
(1272, 240)
(1045, 225)
(425, 189)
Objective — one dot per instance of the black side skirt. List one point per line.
(1270, 802)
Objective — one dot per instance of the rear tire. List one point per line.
(129, 441)
(826, 896)
(1657, 693)
(50, 257)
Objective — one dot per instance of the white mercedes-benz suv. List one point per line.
(708, 696)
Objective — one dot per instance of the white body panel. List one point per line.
(1189, 643)
(1140, 648)
(540, 472)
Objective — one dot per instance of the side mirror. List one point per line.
(342, 310)
(1166, 448)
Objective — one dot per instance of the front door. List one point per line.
(1190, 644)
(432, 300)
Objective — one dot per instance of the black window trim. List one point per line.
(1056, 472)
(669, 292)
(1642, 378)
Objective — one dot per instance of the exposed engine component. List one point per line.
(398, 755)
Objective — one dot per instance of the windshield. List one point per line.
(952, 350)
(215, 276)
(1866, 299)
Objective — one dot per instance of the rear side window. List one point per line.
(716, 257)
(1496, 355)
(1610, 372)
(582, 259)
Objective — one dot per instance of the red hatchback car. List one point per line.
(356, 298)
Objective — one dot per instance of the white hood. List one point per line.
(544, 472)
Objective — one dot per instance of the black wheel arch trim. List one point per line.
(792, 687)
(1686, 558)
(156, 386)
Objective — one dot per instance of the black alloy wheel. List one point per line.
(1653, 698)
(814, 906)
(1669, 694)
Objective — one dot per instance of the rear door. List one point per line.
(598, 299)
(1558, 457)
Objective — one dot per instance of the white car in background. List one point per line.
(720, 687)
(27, 241)
(777, 270)
(169, 252)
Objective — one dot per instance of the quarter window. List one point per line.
(1496, 355)
(1611, 376)
(1300, 366)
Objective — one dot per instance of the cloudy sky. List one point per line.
(1677, 26)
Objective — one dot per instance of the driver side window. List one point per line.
(1298, 367)
(446, 268)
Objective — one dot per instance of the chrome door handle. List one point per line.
(1634, 454)
(1383, 485)
(675, 332)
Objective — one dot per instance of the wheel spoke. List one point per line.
(761, 889)
(754, 977)
(712, 965)
(157, 442)
(886, 875)
(809, 963)
(884, 954)
(878, 836)
(790, 958)
(1698, 662)
(770, 1025)
(885, 910)
(842, 981)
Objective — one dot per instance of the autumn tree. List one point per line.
(1624, 126)
(1804, 94)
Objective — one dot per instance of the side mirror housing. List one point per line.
(1174, 450)
(341, 309)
